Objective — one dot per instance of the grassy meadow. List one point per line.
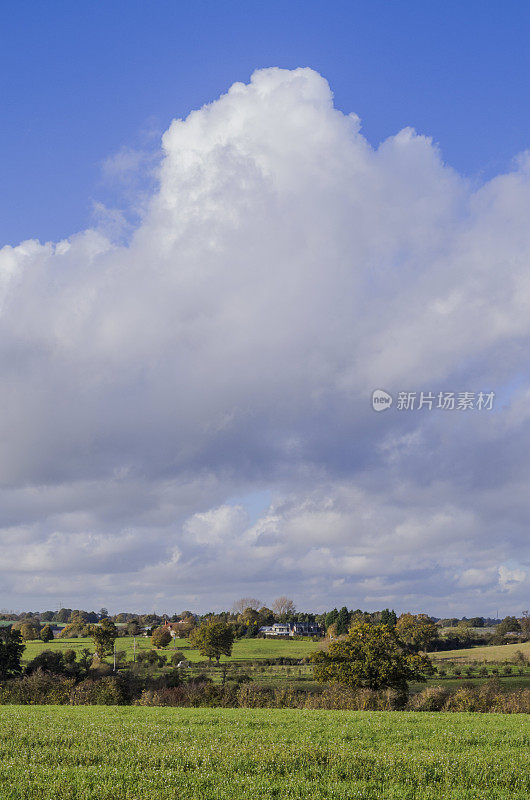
(503, 652)
(244, 649)
(247, 650)
(252, 649)
(131, 753)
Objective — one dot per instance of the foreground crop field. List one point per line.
(128, 753)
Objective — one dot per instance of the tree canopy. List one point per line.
(11, 649)
(417, 630)
(160, 637)
(388, 617)
(283, 606)
(104, 636)
(213, 639)
(370, 656)
(46, 634)
(342, 623)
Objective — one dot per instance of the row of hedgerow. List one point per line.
(42, 688)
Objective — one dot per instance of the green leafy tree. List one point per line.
(103, 635)
(11, 649)
(342, 622)
(331, 618)
(133, 629)
(249, 616)
(524, 622)
(76, 627)
(213, 640)
(508, 625)
(160, 637)
(48, 661)
(46, 634)
(417, 630)
(388, 617)
(505, 627)
(85, 659)
(372, 657)
(266, 616)
(63, 615)
(29, 631)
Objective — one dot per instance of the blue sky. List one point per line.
(80, 81)
(207, 266)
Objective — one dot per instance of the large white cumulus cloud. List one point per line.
(283, 269)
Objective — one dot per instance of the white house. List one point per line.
(291, 629)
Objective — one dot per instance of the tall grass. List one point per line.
(131, 753)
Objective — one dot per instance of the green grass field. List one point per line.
(504, 652)
(251, 649)
(131, 753)
(244, 649)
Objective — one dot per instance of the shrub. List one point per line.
(151, 657)
(177, 657)
(47, 661)
(39, 688)
(433, 698)
(99, 669)
(343, 698)
(104, 692)
(520, 658)
(251, 696)
(286, 697)
(464, 699)
(191, 695)
(241, 678)
(517, 702)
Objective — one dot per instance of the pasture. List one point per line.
(255, 649)
(503, 652)
(132, 753)
(244, 649)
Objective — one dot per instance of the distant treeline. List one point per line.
(248, 618)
